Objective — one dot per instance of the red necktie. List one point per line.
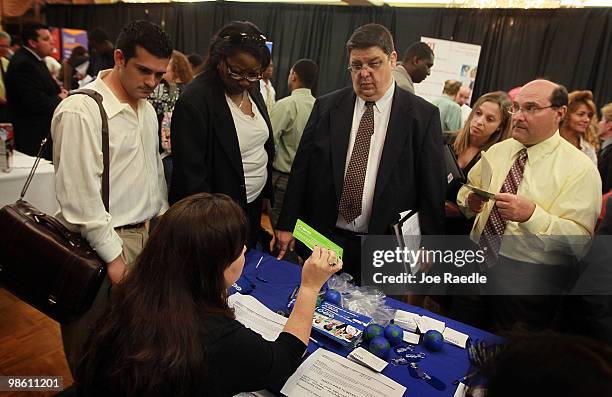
(490, 239)
(352, 190)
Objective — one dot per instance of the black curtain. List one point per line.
(570, 46)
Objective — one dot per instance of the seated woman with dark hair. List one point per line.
(169, 330)
(488, 123)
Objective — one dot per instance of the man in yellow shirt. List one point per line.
(547, 197)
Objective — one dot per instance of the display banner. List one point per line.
(72, 38)
(452, 61)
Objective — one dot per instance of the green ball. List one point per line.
(372, 331)
(394, 334)
(380, 347)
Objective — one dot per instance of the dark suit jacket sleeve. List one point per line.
(189, 140)
(32, 93)
(296, 187)
(432, 184)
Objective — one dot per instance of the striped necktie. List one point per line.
(490, 239)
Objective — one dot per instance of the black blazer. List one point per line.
(32, 96)
(205, 150)
(410, 174)
(604, 163)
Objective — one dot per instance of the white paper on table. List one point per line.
(426, 323)
(410, 337)
(255, 315)
(411, 232)
(461, 390)
(327, 374)
(406, 320)
(486, 172)
(364, 357)
(455, 337)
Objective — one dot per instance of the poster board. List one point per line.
(72, 38)
(452, 61)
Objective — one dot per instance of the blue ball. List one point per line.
(433, 340)
(372, 331)
(333, 296)
(380, 347)
(394, 334)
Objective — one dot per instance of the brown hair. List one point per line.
(451, 87)
(606, 112)
(504, 130)
(150, 342)
(575, 99)
(181, 68)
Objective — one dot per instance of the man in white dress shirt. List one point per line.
(137, 184)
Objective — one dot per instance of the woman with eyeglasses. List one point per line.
(221, 135)
(169, 330)
(579, 126)
(488, 123)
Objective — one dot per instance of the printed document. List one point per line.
(327, 374)
(255, 315)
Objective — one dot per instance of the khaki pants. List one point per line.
(75, 334)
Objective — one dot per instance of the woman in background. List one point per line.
(488, 123)
(169, 330)
(579, 126)
(163, 98)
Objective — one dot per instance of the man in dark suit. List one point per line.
(368, 152)
(31, 91)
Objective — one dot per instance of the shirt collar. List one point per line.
(382, 104)
(606, 142)
(33, 53)
(402, 70)
(301, 92)
(540, 150)
(112, 105)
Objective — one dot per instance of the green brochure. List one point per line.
(311, 237)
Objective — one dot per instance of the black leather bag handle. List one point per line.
(105, 149)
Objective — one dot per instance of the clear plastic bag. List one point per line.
(365, 300)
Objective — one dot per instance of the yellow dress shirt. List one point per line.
(565, 187)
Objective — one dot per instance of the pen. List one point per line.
(258, 263)
(316, 342)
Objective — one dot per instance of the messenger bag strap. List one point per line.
(105, 149)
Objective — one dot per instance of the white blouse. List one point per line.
(252, 135)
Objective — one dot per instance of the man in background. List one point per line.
(32, 93)
(416, 66)
(463, 98)
(100, 51)
(289, 117)
(450, 112)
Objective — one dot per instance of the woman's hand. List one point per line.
(319, 267)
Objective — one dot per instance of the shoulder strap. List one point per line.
(105, 148)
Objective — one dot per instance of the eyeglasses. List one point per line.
(371, 66)
(238, 77)
(239, 38)
(527, 110)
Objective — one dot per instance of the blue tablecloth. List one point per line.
(275, 280)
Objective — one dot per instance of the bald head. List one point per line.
(463, 95)
(542, 105)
